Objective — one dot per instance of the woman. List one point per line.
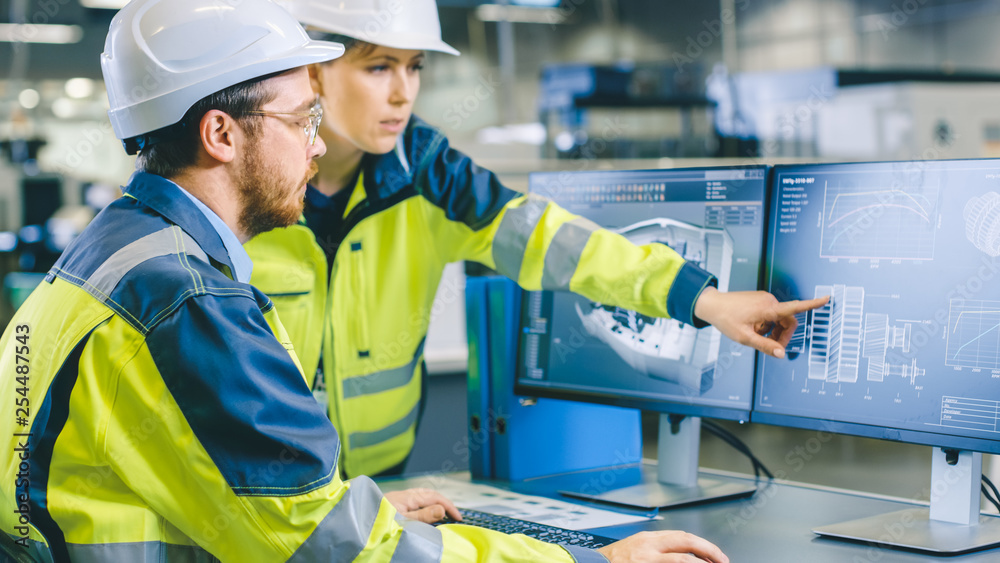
(393, 203)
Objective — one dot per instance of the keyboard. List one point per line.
(542, 532)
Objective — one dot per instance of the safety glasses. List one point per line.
(315, 116)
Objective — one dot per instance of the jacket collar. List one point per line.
(386, 174)
(167, 199)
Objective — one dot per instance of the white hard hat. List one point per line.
(162, 56)
(402, 24)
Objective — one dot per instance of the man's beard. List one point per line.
(264, 192)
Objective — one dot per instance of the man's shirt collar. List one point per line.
(205, 227)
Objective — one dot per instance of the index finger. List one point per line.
(789, 308)
(450, 509)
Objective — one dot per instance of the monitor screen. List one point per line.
(908, 348)
(573, 348)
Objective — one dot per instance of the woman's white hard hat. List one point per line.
(402, 24)
(162, 56)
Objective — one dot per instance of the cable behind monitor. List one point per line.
(991, 493)
(737, 444)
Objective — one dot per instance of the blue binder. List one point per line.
(512, 439)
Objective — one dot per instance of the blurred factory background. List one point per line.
(551, 85)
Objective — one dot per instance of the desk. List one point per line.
(774, 526)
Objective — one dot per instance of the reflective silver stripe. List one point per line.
(584, 555)
(401, 153)
(365, 439)
(345, 531)
(420, 542)
(511, 239)
(564, 252)
(171, 240)
(383, 380)
(36, 551)
(140, 552)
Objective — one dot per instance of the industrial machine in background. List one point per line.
(625, 111)
(41, 213)
(645, 110)
(843, 114)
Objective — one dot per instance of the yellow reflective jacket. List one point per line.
(160, 418)
(413, 211)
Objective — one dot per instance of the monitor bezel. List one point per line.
(905, 436)
(901, 435)
(662, 406)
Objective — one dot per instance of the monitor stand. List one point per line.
(953, 523)
(677, 481)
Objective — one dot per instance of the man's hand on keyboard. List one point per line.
(423, 504)
(666, 546)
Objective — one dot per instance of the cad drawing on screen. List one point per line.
(666, 349)
(887, 222)
(982, 222)
(908, 347)
(842, 333)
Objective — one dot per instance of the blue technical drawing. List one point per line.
(890, 222)
(974, 334)
(910, 340)
(982, 222)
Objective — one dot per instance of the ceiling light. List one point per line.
(63, 108)
(104, 4)
(519, 14)
(40, 33)
(79, 87)
(29, 98)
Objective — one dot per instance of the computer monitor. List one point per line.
(573, 348)
(908, 348)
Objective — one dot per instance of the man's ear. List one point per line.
(218, 133)
(315, 73)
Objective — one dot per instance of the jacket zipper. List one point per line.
(334, 388)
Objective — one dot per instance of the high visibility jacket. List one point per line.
(165, 419)
(413, 211)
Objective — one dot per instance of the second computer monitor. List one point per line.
(575, 348)
(909, 346)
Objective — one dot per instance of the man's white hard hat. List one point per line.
(162, 56)
(402, 24)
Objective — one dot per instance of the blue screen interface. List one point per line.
(911, 337)
(581, 348)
